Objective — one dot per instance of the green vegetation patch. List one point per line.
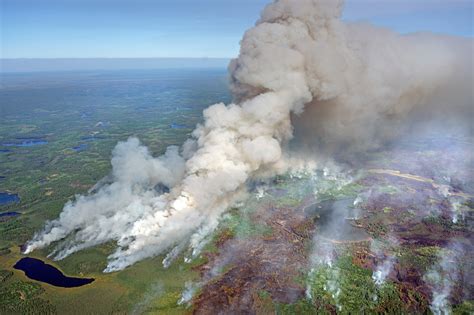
(302, 307)
(349, 289)
(15, 230)
(419, 258)
(467, 307)
(4, 251)
(389, 189)
(5, 275)
(240, 224)
(23, 298)
(387, 210)
(329, 189)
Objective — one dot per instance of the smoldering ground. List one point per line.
(307, 85)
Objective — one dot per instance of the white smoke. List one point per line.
(358, 83)
(386, 261)
(154, 292)
(323, 260)
(382, 271)
(188, 293)
(442, 277)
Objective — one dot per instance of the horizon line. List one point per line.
(108, 63)
(62, 58)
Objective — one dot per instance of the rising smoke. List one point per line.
(385, 262)
(443, 276)
(356, 83)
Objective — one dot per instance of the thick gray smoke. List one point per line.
(355, 82)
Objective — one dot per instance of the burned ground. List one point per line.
(270, 263)
(414, 211)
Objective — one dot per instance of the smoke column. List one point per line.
(357, 84)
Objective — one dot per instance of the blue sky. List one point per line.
(184, 28)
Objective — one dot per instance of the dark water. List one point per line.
(9, 214)
(7, 198)
(80, 147)
(177, 126)
(37, 270)
(4, 151)
(27, 142)
(91, 138)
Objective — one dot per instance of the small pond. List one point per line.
(37, 270)
(9, 214)
(88, 138)
(177, 126)
(7, 198)
(80, 147)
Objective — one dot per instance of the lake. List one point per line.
(36, 269)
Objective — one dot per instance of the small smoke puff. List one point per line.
(382, 271)
(187, 295)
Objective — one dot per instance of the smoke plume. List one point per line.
(385, 262)
(443, 276)
(356, 83)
